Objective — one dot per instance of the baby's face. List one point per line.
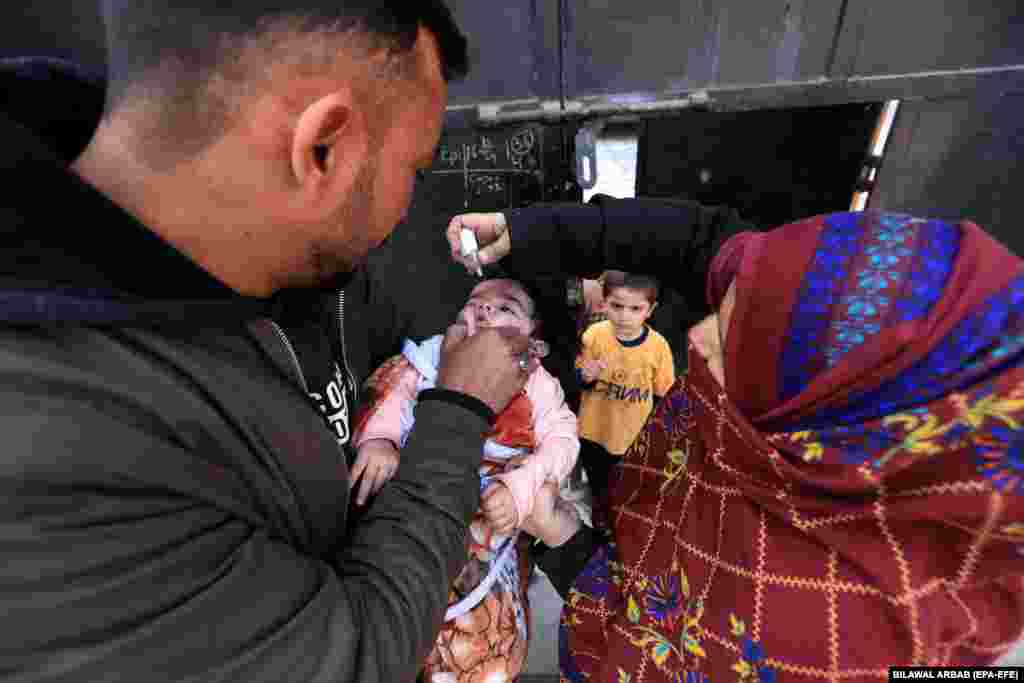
(499, 303)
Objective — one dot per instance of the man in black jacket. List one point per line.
(173, 507)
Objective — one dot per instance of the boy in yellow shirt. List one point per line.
(625, 368)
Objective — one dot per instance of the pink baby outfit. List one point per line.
(534, 440)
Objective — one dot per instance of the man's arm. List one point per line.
(410, 545)
(131, 555)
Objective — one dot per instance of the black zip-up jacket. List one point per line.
(172, 507)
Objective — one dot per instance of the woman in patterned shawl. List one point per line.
(837, 484)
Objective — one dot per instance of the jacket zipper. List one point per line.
(294, 356)
(344, 353)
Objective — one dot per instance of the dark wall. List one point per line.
(513, 45)
(659, 45)
(54, 28)
(959, 158)
(773, 166)
(513, 48)
(615, 46)
(909, 36)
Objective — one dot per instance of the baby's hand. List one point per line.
(500, 508)
(553, 520)
(592, 369)
(376, 463)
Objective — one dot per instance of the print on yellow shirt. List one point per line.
(614, 409)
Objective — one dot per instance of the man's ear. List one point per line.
(330, 145)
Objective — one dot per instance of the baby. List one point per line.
(533, 441)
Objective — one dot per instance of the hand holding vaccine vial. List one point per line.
(470, 248)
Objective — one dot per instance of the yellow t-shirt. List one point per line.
(613, 411)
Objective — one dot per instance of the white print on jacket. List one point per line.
(333, 403)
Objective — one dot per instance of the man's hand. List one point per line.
(491, 234)
(592, 369)
(376, 463)
(484, 364)
(499, 508)
(553, 520)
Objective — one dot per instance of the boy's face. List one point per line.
(498, 303)
(628, 310)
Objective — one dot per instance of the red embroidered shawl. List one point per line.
(856, 500)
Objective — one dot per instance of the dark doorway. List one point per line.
(774, 166)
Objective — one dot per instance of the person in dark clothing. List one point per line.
(174, 506)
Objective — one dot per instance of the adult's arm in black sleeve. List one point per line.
(673, 240)
(563, 564)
